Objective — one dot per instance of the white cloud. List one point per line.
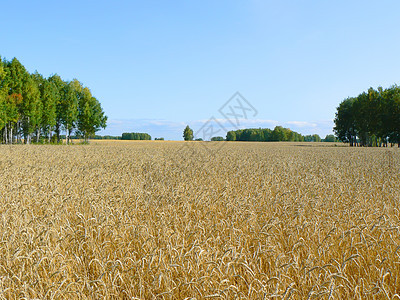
(302, 124)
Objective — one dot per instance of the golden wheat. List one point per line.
(169, 220)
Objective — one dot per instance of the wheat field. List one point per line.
(175, 220)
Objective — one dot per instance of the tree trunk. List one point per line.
(37, 135)
(10, 140)
(58, 132)
(18, 134)
(5, 134)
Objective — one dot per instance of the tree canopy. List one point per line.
(279, 134)
(135, 136)
(188, 134)
(32, 106)
(370, 119)
(217, 139)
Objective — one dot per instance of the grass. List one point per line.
(168, 220)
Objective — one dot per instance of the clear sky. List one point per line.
(158, 65)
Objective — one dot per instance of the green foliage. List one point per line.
(90, 117)
(329, 138)
(69, 106)
(188, 134)
(106, 137)
(231, 136)
(217, 139)
(49, 105)
(370, 119)
(33, 106)
(279, 134)
(59, 94)
(312, 138)
(135, 136)
(159, 139)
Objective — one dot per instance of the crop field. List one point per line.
(169, 220)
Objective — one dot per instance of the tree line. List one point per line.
(127, 136)
(135, 136)
(39, 109)
(279, 134)
(106, 137)
(370, 119)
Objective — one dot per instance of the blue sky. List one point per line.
(158, 65)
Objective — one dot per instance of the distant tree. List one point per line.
(159, 139)
(279, 134)
(329, 138)
(345, 125)
(312, 138)
(135, 136)
(217, 139)
(106, 137)
(231, 136)
(316, 138)
(296, 137)
(188, 134)
(264, 135)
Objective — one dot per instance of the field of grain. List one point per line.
(168, 220)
